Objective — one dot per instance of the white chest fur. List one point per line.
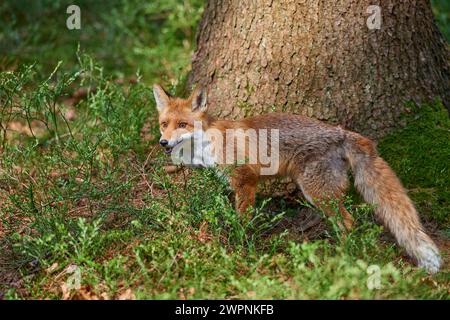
(195, 151)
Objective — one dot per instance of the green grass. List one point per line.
(83, 190)
(90, 192)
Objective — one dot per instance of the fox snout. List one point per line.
(163, 142)
(168, 145)
(175, 140)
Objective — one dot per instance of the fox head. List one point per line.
(177, 116)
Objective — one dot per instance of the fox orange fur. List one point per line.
(317, 156)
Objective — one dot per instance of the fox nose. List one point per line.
(163, 142)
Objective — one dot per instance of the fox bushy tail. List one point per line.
(379, 186)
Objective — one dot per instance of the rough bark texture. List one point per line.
(319, 58)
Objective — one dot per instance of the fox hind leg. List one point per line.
(327, 204)
(324, 186)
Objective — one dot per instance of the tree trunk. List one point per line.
(320, 58)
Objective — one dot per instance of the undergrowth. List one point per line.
(90, 194)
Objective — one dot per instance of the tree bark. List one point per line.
(319, 58)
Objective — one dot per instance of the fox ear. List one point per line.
(161, 97)
(199, 100)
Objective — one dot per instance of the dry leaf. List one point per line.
(127, 295)
(52, 268)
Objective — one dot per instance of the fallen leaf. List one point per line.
(52, 268)
(127, 295)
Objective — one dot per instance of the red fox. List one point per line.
(316, 155)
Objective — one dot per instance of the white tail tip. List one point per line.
(428, 257)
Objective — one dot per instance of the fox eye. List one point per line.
(164, 125)
(182, 125)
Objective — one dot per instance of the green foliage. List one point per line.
(77, 241)
(155, 37)
(441, 10)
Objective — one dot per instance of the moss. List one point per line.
(420, 155)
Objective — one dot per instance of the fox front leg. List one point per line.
(245, 199)
(244, 181)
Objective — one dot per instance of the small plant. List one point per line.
(74, 241)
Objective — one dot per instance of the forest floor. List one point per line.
(87, 210)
